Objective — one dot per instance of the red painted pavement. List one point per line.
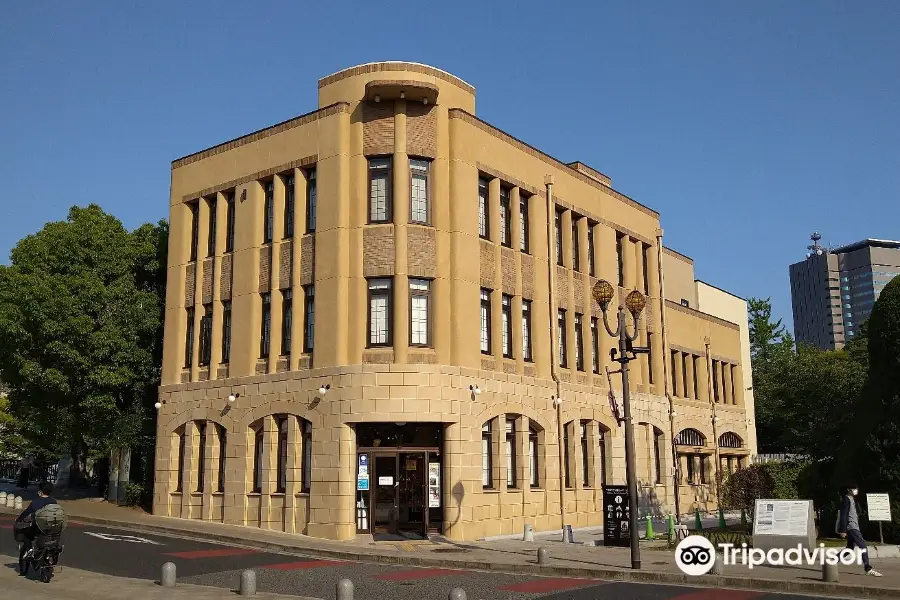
(212, 553)
(718, 595)
(304, 564)
(548, 585)
(417, 574)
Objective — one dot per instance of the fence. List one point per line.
(9, 471)
(782, 457)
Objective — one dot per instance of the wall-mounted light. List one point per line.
(377, 98)
(323, 389)
(557, 401)
(673, 412)
(475, 389)
(715, 419)
(232, 397)
(158, 405)
(403, 95)
(424, 100)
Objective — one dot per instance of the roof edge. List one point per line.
(396, 65)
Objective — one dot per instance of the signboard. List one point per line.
(781, 517)
(362, 473)
(879, 507)
(783, 524)
(386, 480)
(434, 485)
(615, 516)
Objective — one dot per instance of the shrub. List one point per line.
(134, 494)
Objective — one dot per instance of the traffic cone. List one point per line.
(650, 533)
(722, 518)
(698, 524)
(743, 517)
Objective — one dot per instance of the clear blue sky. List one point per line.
(747, 125)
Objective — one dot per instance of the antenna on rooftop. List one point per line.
(815, 247)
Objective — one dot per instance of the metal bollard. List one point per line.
(457, 594)
(543, 556)
(528, 536)
(718, 567)
(568, 536)
(344, 589)
(167, 579)
(830, 573)
(248, 583)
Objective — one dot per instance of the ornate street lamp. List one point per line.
(635, 302)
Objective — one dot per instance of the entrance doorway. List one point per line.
(399, 487)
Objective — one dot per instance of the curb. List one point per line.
(838, 590)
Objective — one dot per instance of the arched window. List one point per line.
(281, 484)
(257, 459)
(487, 480)
(690, 437)
(533, 459)
(729, 439)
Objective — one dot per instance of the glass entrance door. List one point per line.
(384, 513)
(412, 492)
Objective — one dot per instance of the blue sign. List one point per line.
(362, 484)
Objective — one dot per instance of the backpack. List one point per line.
(51, 520)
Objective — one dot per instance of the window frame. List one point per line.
(201, 457)
(226, 332)
(524, 226)
(427, 172)
(269, 211)
(387, 294)
(512, 476)
(211, 202)
(258, 445)
(485, 321)
(189, 338)
(592, 266)
(205, 357)
(534, 460)
(312, 199)
(579, 342)
(657, 455)
(281, 456)
(287, 317)
(595, 346)
(229, 222)
(426, 294)
(567, 470)
(194, 207)
(289, 205)
(265, 333)
(505, 217)
(558, 233)
(620, 257)
(561, 335)
(306, 457)
(576, 247)
(179, 482)
(223, 454)
(309, 318)
(484, 208)
(526, 331)
(585, 449)
(506, 341)
(388, 170)
(487, 455)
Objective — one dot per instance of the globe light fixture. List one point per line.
(323, 389)
(603, 293)
(158, 405)
(635, 302)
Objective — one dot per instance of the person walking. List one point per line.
(24, 472)
(848, 527)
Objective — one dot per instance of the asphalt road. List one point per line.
(128, 554)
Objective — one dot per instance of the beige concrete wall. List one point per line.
(402, 382)
(679, 271)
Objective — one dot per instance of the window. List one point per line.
(561, 335)
(180, 482)
(306, 461)
(195, 227)
(650, 354)
(288, 206)
(715, 377)
(311, 197)
(526, 330)
(229, 222)
(657, 454)
(281, 482)
(226, 332)
(685, 360)
(523, 222)
(684, 302)
(485, 321)
(379, 190)
(620, 257)
(590, 249)
(418, 196)
(309, 315)
(484, 229)
(585, 466)
(595, 348)
(601, 454)
(511, 478)
(189, 338)
(533, 460)
(645, 250)
(211, 237)
(505, 218)
(558, 234)
(566, 470)
(257, 460)
(269, 216)
(419, 309)
(206, 335)
(379, 312)
(576, 255)
(487, 480)
(266, 330)
(690, 469)
(201, 457)
(703, 465)
(506, 316)
(287, 316)
(223, 437)
(579, 344)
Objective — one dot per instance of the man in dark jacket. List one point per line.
(27, 515)
(848, 527)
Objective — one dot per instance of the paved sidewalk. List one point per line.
(511, 556)
(73, 584)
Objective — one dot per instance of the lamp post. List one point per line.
(603, 293)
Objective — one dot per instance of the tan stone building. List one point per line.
(359, 328)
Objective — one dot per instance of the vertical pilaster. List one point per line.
(702, 377)
(516, 308)
(523, 466)
(728, 382)
(541, 318)
(689, 385)
(607, 268)
(439, 199)
(269, 471)
(497, 293)
(628, 262)
(248, 223)
(274, 271)
(679, 374)
(190, 467)
(211, 459)
(737, 377)
(293, 476)
(216, 339)
(401, 219)
(203, 232)
(297, 296)
(719, 365)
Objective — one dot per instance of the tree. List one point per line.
(772, 350)
(81, 309)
